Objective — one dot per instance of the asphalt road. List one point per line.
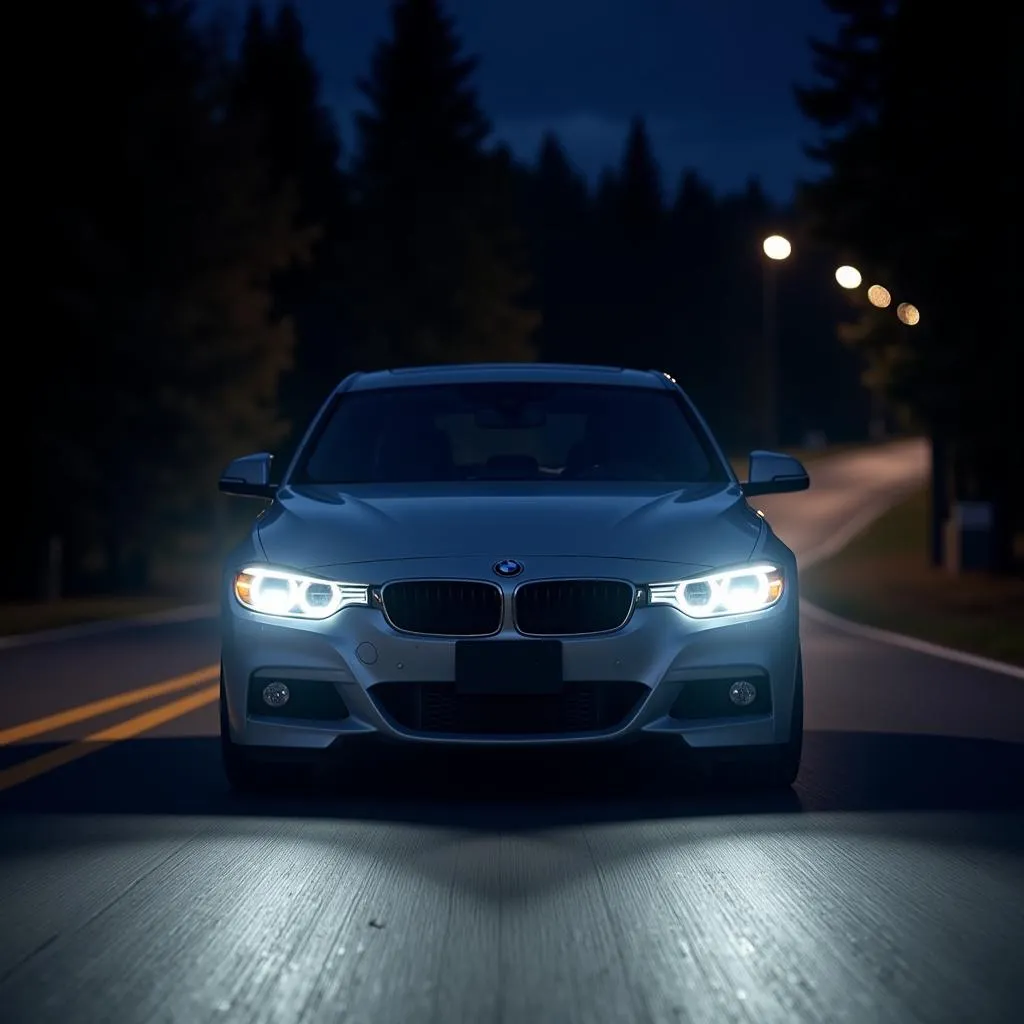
(889, 887)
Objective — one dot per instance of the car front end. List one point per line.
(510, 557)
(451, 652)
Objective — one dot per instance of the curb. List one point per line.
(83, 630)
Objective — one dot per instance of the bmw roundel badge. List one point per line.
(508, 567)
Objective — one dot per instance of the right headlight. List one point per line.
(273, 591)
(739, 591)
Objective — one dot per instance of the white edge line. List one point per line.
(883, 636)
(839, 540)
(82, 630)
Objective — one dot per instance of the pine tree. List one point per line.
(278, 89)
(557, 179)
(562, 255)
(693, 257)
(440, 271)
(636, 256)
(641, 203)
(163, 244)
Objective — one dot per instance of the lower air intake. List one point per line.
(578, 708)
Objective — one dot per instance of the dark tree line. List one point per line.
(918, 110)
(214, 260)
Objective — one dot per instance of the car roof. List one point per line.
(482, 373)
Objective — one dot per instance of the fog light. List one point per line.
(276, 695)
(742, 693)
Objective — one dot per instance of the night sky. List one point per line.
(713, 77)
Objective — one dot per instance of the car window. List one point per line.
(508, 432)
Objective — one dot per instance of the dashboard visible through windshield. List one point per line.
(508, 432)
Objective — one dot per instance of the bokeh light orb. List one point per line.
(776, 247)
(908, 314)
(879, 296)
(848, 277)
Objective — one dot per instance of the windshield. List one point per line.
(508, 432)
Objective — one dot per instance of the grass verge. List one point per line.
(883, 579)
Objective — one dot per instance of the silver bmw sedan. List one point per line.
(511, 554)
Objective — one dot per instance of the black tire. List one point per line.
(247, 775)
(778, 766)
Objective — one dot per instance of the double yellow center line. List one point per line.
(26, 770)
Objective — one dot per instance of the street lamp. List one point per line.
(879, 296)
(776, 248)
(908, 314)
(848, 277)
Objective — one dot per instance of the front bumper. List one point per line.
(662, 674)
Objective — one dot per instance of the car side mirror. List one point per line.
(249, 477)
(774, 473)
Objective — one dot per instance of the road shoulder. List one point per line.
(881, 583)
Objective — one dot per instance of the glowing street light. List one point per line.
(776, 247)
(879, 296)
(908, 314)
(848, 277)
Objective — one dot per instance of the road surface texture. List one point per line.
(888, 887)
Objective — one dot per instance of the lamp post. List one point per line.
(776, 248)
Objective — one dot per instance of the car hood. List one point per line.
(316, 527)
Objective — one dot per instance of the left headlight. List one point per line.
(278, 592)
(732, 592)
